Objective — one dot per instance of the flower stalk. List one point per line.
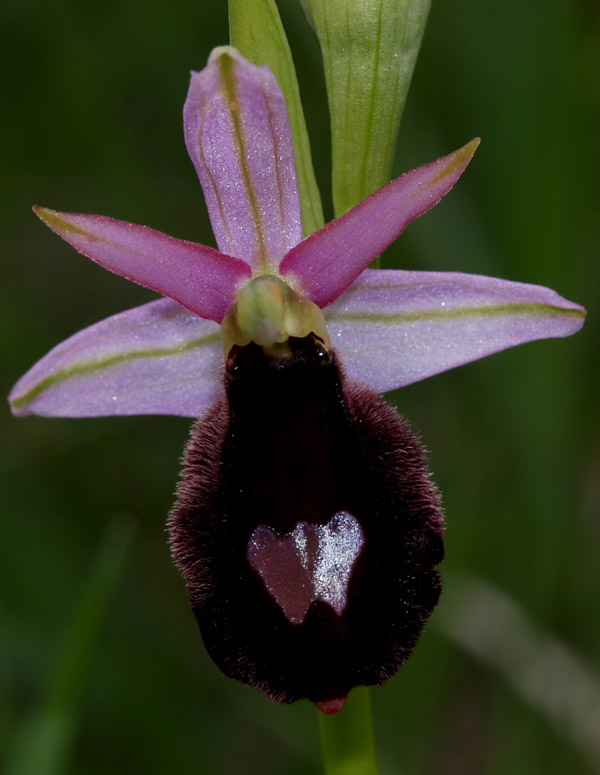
(347, 737)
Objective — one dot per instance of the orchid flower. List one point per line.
(307, 527)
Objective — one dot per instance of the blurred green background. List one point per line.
(506, 678)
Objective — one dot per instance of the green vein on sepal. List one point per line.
(257, 32)
(539, 310)
(89, 367)
(230, 93)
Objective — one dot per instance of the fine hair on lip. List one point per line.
(286, 448)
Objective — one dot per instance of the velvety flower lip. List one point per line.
(307, 528)
(389, 327)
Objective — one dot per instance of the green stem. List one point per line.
(347, 737)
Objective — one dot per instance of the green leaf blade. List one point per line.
(369, 50)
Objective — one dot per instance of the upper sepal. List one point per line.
(238, 136)
(255, 29)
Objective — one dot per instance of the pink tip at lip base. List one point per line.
(331, 707)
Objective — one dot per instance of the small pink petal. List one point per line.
(155, 359)
(196, 276)
(238, 136)
(393, 328)
(329, 261)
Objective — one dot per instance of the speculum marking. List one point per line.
(313, 562)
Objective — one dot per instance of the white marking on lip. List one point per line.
(314, 562)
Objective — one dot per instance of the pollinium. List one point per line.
(306, 526)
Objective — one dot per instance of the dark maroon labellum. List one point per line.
(307, 528)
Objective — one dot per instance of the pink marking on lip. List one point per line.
(313, 562)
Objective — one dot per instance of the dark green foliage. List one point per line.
(91, 122)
